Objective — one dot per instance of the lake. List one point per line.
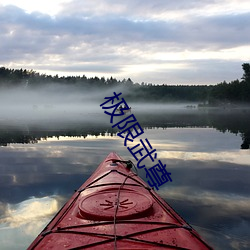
(47, 153)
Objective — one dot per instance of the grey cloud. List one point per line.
(219, 31)
(134, 8)
(85, 68)
(209, 71)
(229, 31)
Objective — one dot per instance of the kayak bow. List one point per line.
(116, 209)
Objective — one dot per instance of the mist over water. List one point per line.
(59, 107)
(56, 103)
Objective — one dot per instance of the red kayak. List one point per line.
(116, 209)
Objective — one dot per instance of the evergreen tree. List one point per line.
(246, 69)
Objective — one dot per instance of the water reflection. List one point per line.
(226, 216)
(33, 209)
(233, 121)
(210, 173)
(20, 222)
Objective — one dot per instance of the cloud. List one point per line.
(26, 220)
(233, 203)
(144, 10)
(115, 38)
(29, 210)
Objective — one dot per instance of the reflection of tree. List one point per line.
(229, 120)
(246, 141)
(16, 137)
(20, 135)
(234, 121)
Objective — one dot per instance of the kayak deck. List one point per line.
(115, 209)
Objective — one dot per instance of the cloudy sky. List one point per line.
(157, 41)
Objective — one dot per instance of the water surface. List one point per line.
(44, 161)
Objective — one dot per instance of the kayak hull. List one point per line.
(115, 209)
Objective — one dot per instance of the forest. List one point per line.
(224, 93)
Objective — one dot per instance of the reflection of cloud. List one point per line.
(236, 157)
(81, 138)
(228, 203)
(25, 220)
(69, 155)
(29, 213)
(221, 218)
(2, 209)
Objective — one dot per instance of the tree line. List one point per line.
(236, 91)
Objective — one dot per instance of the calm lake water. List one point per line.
(45, 157)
